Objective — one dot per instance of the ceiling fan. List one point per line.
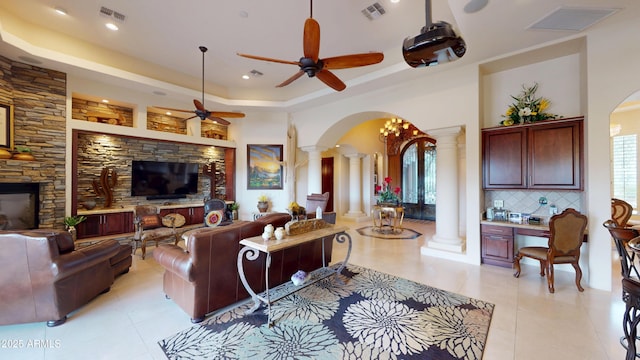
(312, 65)
(201, 111)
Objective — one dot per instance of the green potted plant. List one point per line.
(23, 153)
(234, 210)
(70, 223)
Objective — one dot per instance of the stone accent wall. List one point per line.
(97, 151)
(82, 109)
(39, 99)
(166, 123)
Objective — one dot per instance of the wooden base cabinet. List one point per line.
(105, 225)
(497, 245)
(192, 215)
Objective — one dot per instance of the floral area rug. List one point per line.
(371, 316)
(388, 233)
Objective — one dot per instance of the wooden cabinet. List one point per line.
(192, 214)
(545, 155)
(497, 245)
(105, 224)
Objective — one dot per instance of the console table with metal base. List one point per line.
(387, 218)
(255, 245)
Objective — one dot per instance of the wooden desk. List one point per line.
(254, 245)
(393, 215)
(497, 240)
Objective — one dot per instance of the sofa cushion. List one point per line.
(65, 242)
(213, 218)
(157, 233)
(151, 221)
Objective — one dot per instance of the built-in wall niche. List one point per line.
(95, 110)
(166, 122)
(212, 130)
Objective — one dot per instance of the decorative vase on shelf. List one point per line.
(4, 154)
(263, 206)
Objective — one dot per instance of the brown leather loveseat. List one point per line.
(204, 277)
(43, 278)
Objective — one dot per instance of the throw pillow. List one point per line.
(151, 221)
(213, 218)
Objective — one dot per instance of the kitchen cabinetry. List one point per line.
(497, 245)
(192, 214)
(105, 224)
(544, 155)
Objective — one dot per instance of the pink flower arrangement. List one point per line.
(385, 194)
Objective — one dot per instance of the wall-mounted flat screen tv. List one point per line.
(163, 179)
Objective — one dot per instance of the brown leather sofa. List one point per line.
(204, 277)
(43, 278)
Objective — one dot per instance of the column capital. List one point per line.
(439, 134)
(354, 155)
(314, 148)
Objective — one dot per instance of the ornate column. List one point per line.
(355, 187)
(447, 236)
(314, 177)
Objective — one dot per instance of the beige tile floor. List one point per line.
(528, 322)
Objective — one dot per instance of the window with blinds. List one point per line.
(624, 169)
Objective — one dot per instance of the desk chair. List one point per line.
(567, 233)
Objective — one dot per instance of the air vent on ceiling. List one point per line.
(112, 14)
(572, 18)
(374, 11)
(255, 73)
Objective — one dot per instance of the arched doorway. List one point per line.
(418, 160)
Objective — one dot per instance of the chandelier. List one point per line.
(396, 131)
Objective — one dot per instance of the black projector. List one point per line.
(436, 44)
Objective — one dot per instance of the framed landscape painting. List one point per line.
(6, 126)
(264, 167)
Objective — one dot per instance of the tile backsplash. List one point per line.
(527, 201)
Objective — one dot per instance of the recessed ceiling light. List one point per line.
(105, 101)
(168, 113)
(245, 76)
(111, 26)
(60, 11)
(395, 1)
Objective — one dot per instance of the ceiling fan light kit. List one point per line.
(436, 44)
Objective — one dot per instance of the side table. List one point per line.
(253, 246)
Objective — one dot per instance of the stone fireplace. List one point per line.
(19, 206)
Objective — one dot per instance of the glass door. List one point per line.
(419, 179)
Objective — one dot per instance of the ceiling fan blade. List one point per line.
(269, 59)
(330, 79)
(311, 40)
(224, 114)
(218, 120)
(291, 79)
(189, 118)
(353, 60)
(199, 105)
(172, 109)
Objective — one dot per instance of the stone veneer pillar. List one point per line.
(447, 198)
(314, 181)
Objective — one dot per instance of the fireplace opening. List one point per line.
(19, 206)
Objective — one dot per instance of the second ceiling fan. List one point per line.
(312, 65)
(201, 111)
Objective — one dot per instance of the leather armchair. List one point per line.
(44, 278)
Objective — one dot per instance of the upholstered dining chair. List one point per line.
(149, 226)
(566, 236)
(621, 236)
(620, 212)
(315, 200)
